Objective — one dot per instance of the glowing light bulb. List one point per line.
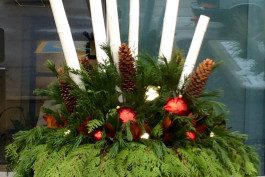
(151, 93)
(67, 132)
(212, 134)
(145, 136)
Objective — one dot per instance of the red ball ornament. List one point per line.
(109, 130)
(51, 121)
(190, 135)
(126, 114)
(136, 131)
(201, 128)
(147, 128)
(65, 122)
(97, 135)
(167, 137)
(82, 129)
(176, 106)
(193, 119)
(167, 122)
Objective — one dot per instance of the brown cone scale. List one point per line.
(65, 89)
(127, 68)
(88, 63)
(197, 80)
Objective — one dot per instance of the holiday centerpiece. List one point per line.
(128, 117)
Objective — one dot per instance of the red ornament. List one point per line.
(82, 129)
(176, 106)
(109, 129)
(65, 122)
(97, 135)
(51, 121)
(126, 114)
(166, 122)
(136, 131)
(201, 128)
(147, 128)
(167, 137)
(193, 119)
(190, 135)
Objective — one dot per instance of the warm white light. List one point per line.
(145, 136)
(212, 134)
(151, 93)
(67, 132)
(120, 98)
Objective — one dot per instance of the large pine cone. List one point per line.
(197, 80)
(65, 89)
(127, 68)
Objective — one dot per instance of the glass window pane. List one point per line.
(28, 37)
(236, 36)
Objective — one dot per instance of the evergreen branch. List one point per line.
(128, 132)
(42, 92)
(157, 130)
(213, 94)
(114, 149)
(107, 49)
(93, 125)
(51, 66)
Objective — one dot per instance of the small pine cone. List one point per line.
(60, 71)
(126, 67)
(68, 99)
(197, 80)
(87, 63)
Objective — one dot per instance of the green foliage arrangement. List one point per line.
(111, 126)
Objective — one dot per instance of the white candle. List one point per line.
(169, 27)
(194, 48)
(66, 38)
(98, 29)
(134, 27)
(113, 29)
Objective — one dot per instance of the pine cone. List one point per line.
(126, 67)
(197, 80)
(65, 89)
(87, 63)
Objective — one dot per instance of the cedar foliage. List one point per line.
(211, 158)
(71, 150)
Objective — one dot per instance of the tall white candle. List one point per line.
(194, 48)
(98, 29)
(113, 29)
(169, 27)
(134, 26)
(66, 38)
